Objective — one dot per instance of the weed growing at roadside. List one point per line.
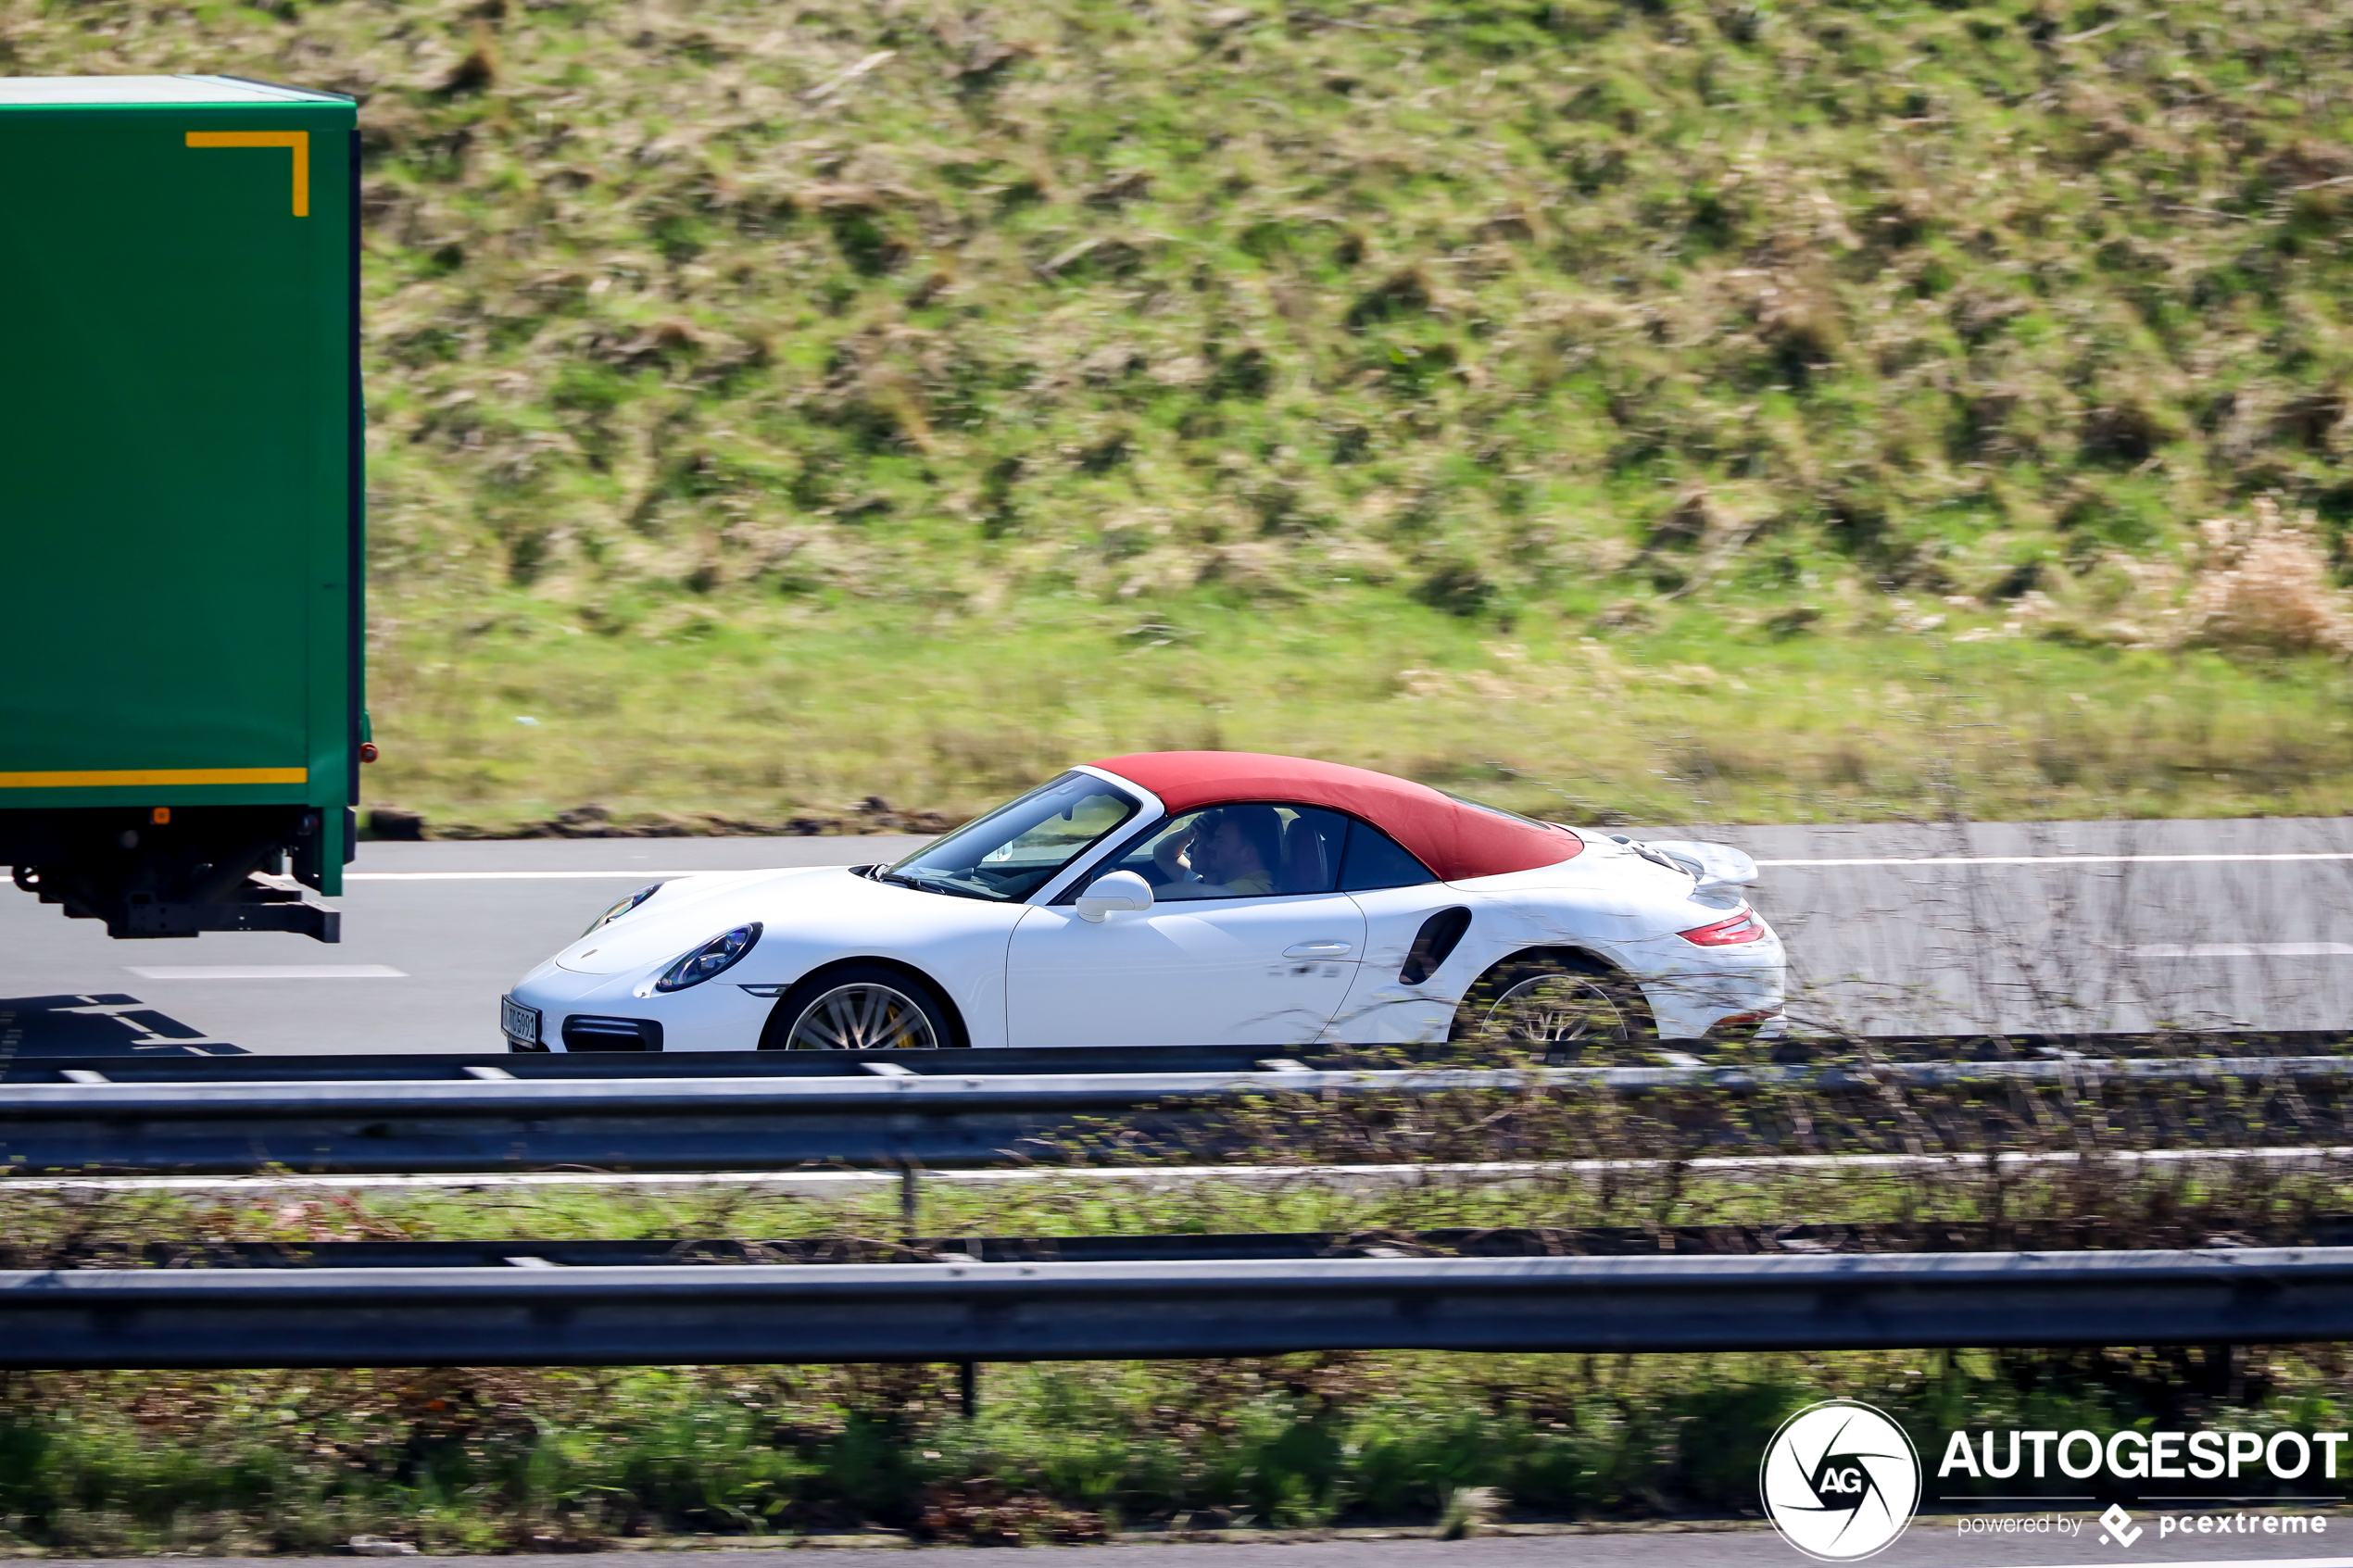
(552, 1461)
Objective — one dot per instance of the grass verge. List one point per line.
(493, 1460)
(749, 719)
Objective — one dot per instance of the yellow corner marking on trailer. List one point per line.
(298, 139)
(105, 777)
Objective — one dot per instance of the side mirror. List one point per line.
(1120, 890)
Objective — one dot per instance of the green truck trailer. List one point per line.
(181, 499)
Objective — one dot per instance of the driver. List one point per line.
(1228, 853)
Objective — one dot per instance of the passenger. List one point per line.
(1228, 853)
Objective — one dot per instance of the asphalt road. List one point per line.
(2058, 927)
(1892, 929)
(1924, 1546)
(432, 935)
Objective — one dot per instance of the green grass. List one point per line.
(766, 713)
(524, 1460)
(218, 1463)
(780, 432)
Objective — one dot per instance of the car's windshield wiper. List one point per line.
(932, 884)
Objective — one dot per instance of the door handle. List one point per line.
(1316, 950)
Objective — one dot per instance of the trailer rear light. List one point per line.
(1742, 927)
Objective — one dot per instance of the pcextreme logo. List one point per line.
(1840, 1481)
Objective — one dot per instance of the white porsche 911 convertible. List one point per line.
(1183, 897)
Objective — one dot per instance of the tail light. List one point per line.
(1742, 927)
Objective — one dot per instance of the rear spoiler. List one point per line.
(1710, 865)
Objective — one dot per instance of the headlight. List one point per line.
(710, 958)
(623, 906)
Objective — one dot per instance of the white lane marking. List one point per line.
(2241, 950)
(514, 876)
(267, 972)
(2061, 860)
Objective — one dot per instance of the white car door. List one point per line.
(1269, 966)
(1385, 1007)
(1256, 971)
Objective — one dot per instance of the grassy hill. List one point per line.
(1659, 407)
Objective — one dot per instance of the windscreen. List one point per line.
(1016, 849)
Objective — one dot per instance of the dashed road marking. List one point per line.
(267, 972)
(509, 876)
(2241, 950)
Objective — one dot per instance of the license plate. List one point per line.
(519, 1022)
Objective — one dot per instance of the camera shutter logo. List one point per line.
(1840, 1480)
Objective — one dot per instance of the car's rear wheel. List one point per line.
(1562, 1008)
(860, 1008)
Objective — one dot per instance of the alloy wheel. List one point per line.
(862, 1017)
(1548, 1009)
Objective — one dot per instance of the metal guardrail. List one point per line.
(970, 1311)
(1796, 1239)
(881, 1118)
(634, 1124)
(436, 1066)
(558, 1066)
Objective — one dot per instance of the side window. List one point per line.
(1313, 840)
(1246, 849)
(1374, 860)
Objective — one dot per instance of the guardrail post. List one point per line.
(909, 1202)
(2217, 1370)
(968, 1388)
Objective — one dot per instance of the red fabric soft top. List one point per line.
(1454, 840)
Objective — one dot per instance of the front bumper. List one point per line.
(586, 1012)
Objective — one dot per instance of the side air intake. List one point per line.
(1434, 944)
(584, 1033)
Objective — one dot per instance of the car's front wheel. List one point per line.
(1561, 1007)
(860, 1008)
